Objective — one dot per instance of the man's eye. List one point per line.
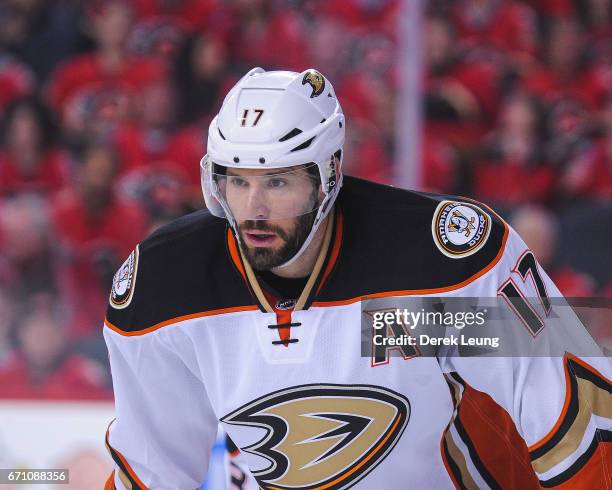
(238, 182)
(277, 183)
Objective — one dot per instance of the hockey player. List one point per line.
(250, 313)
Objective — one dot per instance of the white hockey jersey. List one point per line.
(194, 340)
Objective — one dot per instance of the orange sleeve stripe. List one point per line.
(412, 292)
(110, 482)
(568, 396)
(566, 404)
(178, 319)
(126, 465)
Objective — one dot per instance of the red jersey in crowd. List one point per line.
(16, 80)
(94, 247)
(508, 26)
(82, 78)
(49, 175)
(122, 224)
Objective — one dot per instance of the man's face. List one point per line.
(274, 211)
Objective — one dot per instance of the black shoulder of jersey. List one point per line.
(183, 268)
(405, 240)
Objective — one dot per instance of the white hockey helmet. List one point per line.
(275, 120)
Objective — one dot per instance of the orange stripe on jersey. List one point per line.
(562, 415)
(178, 319)
(110, 482)
(335, 251)
(496, 441)
(124, 467)
(568, 396)
(235, 254)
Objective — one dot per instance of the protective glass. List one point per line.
(267, 194)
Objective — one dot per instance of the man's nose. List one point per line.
(257, 205)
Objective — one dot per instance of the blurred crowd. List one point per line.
(105, 104)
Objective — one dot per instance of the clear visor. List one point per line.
(267, 194)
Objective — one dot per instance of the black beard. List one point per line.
(264, 259)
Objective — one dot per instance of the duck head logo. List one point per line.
(316, 82)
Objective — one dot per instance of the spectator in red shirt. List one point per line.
(146, 140)
(512, 168)
(446, 97)
(104, 83)
(269, 36)
(29, 259)
(202, 75)
(29, 160)
(587, 172)
(459, 87)
(16, 80)
(540, 230)
(97, 229)
(93, 212)
(508, 26)
(562, 73)
(43, 367)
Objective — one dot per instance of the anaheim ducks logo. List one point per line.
(124, 281)
(460, 229)
(322, 436)
(461, 224)
(316, 81)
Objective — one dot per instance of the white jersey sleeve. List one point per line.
(164, 427)
(556, 390)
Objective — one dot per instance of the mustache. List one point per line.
(261, 225)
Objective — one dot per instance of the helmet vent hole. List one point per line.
(340, 124)
(323, 120)
(262, 160)
(304, 145)
(294, 132)
(236, 159)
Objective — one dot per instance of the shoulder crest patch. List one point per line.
(124, 282)
(460, 229)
